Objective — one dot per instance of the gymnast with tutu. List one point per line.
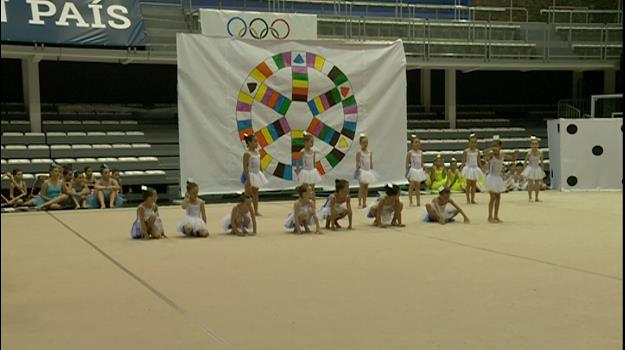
(194, 222)
(241, 221)
(387, 208)
(533, 171)
(438, 212)
(148, 224)
(364, 170)
(470, 168)
(304, 213)
(494, 183)
(305, 170)
(253, 177)
(414, 170)
(337, 206)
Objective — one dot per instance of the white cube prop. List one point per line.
(586, 154)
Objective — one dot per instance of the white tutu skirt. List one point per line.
(494, 183)
(309, 176)
(418, 175)
(386, 216)
(258, 180)
(449, 212)
(366, 176)
(533, 173)
(472, 173)
(135, 231)
(325, 211)
(195, 222)
(226, 222)
(290, 221)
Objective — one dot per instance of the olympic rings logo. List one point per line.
(258, 28)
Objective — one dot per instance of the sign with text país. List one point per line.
(116, 23)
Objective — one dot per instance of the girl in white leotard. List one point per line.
(470, 168)
(194, 222)
(414, 170)
(305, 170)
(304, 213)
(241, 221)
(147, 224)
(494, 182)
(533, 171)
(364, 170)
(253, 177)
(437, 210)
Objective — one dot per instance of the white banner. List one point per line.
(278, 89)
(258, 25)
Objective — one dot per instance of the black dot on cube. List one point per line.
(597, 150)
(571, 129)
(571, 180)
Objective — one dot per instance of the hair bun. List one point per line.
(472, 135)
(453, 159)
(144, 188)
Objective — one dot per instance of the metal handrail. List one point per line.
(551, 13)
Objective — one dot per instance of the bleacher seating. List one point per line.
(144, 154)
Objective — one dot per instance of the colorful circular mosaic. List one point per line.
(255, 92)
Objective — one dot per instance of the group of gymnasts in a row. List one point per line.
(385, 211)
(64, 188)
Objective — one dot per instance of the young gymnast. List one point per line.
(533, 171)
(116, 174)
(90, 178)
(148, 224)
(105, 191)
(51, 193)
(17, 189)
(253, 177)
(455, 181)
(387, 208)
(414, 170)
(304, 213)
(68, 189)
(438, 174)
(307, 173)
(79, 184)
(494, 183)
(470, 168)
(364, 170)
(242, 218)
(337, 206)
(194, 222)
(437, 210)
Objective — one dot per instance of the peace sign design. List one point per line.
(316, 96)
